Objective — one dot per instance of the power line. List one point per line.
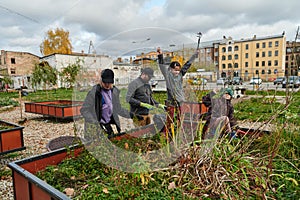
(17, 13)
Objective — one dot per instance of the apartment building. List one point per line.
(292, 60)
(262, 57)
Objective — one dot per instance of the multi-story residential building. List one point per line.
(19, 66)
(292, 60)
(262, 57)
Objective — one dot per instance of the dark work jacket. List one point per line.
(91, 109)
(228, 111)
(139, 91)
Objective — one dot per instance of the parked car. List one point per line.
(292, 81)
(199, 81)
(278, 80)
(255, 81)
(237, 81)
(224, 81)
(221, 81)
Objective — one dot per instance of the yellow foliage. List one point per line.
(178, 59)
(56, 41)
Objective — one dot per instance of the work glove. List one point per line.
(145, 105)
(161, 106)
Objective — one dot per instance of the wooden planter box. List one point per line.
(58, 109)
(27, 186)
(11, 139)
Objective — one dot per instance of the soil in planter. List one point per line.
(87, 178)
(4, 126)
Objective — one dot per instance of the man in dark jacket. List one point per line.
(139, 96)
(102, 106)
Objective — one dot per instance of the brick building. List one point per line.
(19, 66)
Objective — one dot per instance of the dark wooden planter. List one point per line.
(11, 139)
(58, 109)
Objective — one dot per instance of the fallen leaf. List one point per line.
(126, 145)
(171, 185)
(69, 191)
(105, 190)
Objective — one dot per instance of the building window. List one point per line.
(276, 43)
(223, 66)
(229, 48)
(269, 63)
(12, 71)
(263, 54)
(236, 48)
(236, 56)
(276, 53)
(13, 61)
(257, 63)
(246, 64)
(256, 72)
(246, 55)
(257, 54)
(270, 53)
(229, 57)
(263, 45)
(208, 50)
(275, 62)
(257, 45)
(263, 63)
(275, 71)
(269, 71)
(229, 65)
(247, 46)
(223, 49)
(270, 44)
(263, 71)
(236, 65)
(223, 57)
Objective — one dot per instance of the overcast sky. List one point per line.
(118, 27)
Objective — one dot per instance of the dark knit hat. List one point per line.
(149, 71)
(107, 76)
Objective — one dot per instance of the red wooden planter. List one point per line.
(11, 139)
(58, 109)
(29, 187)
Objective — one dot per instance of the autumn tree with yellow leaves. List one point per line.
(56, 41)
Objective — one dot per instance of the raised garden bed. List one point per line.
(58, 109)
(11, 137)
(28, 186)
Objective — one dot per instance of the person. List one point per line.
(139, 96)
(174, 74)
(102, 105)
(220, 115)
